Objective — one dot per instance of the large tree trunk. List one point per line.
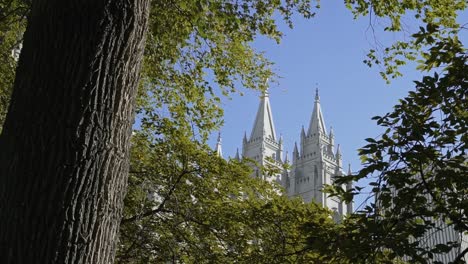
(64, 147)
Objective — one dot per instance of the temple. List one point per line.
(316, 160)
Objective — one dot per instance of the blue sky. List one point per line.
(327, 50)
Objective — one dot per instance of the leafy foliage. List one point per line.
(198, 51)
(418, 169)
(437, 22)
(185, 204)
(12, 25)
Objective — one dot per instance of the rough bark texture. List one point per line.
(64, 147)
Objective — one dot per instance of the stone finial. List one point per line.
(219, 150)
(317, 97)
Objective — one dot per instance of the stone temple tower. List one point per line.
(263, 146)
(315, 160)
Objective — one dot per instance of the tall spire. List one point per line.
(317, 123)
(263, 125)
(219, 151)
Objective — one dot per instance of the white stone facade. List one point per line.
(316, 162)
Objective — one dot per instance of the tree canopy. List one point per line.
(186, 204)
(418, 167)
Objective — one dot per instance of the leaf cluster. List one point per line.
(418, 170)
(12, 25)
(199, 51)
(438, 26)
(185, 204)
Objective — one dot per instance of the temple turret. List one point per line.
(279, 155)
(263, 146)
(338, 156)
(315, 164)
(237, 156)
(218, 149)
(331, 138)
(303, 139)
(263, 125)
(295, 154)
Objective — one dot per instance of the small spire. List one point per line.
(338, 156)
(349, 169)
(237, 157)
(286, 159)
(244, 140)
(331, 137)
(295, 151)
(303, 132)
(219, 150)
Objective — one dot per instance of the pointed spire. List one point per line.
(317, 123)
(295, 154)
(338, 156)
(338, 151)
(219, 150)
(263, 125)
(331, 137)
(303, 135)
(237, 157)
(349, 169)
(286, 159)
(244, 140)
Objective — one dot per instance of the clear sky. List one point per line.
(327, 50)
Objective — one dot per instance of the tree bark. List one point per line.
(65, 142)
